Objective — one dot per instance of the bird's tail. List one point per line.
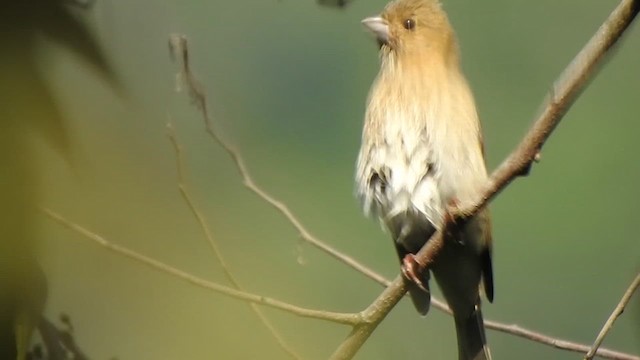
(472, 343)
(421, 297)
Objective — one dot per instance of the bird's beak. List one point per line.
(379, 27)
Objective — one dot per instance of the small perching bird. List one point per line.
(422, 152)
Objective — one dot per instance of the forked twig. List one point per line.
(571, 82)
(354, 320)
(608, 325)
(186, 196)
(340, 318)
(179, 47)
(555, 342)
(568, 88)
(564, 93)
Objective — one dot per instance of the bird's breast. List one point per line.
(420, 146)
(398, 171)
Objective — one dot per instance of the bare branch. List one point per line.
(572, 82)
(566, 90)
(374, 314)
(563, 94)
(340, 318)
(186, 195)
(178, 44)
(357, 321)
(555, 342)
(608, 325)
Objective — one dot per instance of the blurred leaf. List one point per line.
(29, 104)
(28, 313)
(32, 102)
(54, 18)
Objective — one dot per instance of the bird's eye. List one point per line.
(409, 24)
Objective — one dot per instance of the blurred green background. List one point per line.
(287, 82)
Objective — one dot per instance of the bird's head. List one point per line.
(416, 27)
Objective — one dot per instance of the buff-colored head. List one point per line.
(414, 27)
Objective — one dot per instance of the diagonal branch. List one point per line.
(186, 196)
(179, 47)
(608, 325)
(564, 93)
(571, 82)
(340, 318)
(555, 342)
(357, 321)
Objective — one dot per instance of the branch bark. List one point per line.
(608, 325)
(339, 318)
(566, 90)
(358, 321)
(183, 187)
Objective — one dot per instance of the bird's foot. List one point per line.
(412, 269)
(453, 208)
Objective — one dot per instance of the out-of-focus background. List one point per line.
(287, 82)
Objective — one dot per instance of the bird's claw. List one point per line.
(453, 209)
(411, 270)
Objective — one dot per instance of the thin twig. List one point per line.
(555, 342)
(612, 318)
(357, 321)
(340, 318)
(571, 82)
(179, 47)
(530, 335)
(186, 195)
(518, 161)
(563, 94)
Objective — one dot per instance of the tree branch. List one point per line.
(375, 312)
(567, 89)
(555, 342)
(186, 196)
(563, 94)
(571, 82)
(608, 325)
(179, 48)
(340, 318)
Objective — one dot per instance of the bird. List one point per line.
(421, 154)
